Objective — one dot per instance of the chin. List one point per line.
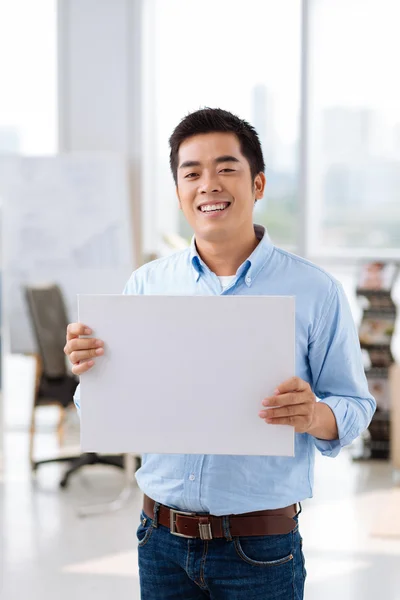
(212, 234)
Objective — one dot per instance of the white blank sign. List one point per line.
(186, 375)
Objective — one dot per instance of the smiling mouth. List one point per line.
(212, 208)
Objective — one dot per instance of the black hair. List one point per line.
(209, 120)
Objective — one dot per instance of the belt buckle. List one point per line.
(172, 522)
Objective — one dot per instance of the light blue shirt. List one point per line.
(328, 357)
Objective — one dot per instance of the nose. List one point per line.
(209, 184)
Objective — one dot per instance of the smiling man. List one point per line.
(226, 527)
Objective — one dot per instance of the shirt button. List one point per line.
(192, 477)
(248, 279)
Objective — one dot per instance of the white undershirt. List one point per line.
(226, 280)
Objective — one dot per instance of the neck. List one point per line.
(225, 256)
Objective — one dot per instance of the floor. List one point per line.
(49, 551)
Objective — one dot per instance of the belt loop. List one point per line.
(155, 514)
(226, 528)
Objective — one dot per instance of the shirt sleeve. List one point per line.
(337, 371)
(130, 288)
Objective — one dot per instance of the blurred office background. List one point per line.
(107, 80)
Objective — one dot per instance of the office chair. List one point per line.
(54, 385)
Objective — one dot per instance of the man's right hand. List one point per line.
(82, 351)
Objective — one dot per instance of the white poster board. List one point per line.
(66, 220)
(186, 374)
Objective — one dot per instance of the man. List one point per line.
(241, 539)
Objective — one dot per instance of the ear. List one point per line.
(259, 185)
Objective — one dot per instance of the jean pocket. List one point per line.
(145, 530)
(265, 551)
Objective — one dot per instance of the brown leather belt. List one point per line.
(207, 527)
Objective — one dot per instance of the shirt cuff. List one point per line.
(340, 408)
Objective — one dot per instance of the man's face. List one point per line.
(214, 185)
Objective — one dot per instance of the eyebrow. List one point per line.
(217, 161)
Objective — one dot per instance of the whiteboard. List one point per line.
(66, 220)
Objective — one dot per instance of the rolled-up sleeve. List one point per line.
(338, 377)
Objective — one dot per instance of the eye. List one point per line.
(190, 175)
(227, 170)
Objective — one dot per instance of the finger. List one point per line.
(293, 410)
(76, 329)
(82, 367)
(78, 344)
(294, 384)
(78, 356)
(293, 421)
(285, 399)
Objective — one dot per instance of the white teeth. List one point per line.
(211, 207)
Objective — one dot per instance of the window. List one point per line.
(28, 77)
(245, 60)
(28, 120)
(354, 116)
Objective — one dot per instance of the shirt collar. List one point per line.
(251, 267)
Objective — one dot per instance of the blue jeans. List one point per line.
(268, 567)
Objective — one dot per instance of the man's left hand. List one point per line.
(294, 404)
